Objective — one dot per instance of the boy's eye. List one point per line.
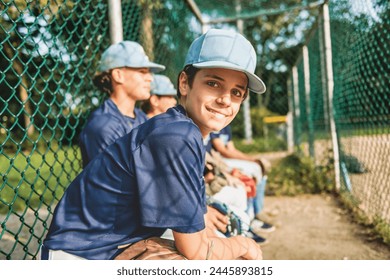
(237, 93)
(144, 71)
(212, 84)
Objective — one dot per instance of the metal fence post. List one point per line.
(115, 21)
(297, 113)
(290, 118)
(306, 74)
(330, 89)
(247, 115)
(323, 71)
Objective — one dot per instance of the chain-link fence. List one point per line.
(50, 49)
(349, 122)
(47, 57)
(49, 53)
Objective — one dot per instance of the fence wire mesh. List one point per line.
(361, 102)
(360, 32)
(47, 57)
(50, 50)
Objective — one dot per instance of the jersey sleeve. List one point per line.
(214, 135)
(228, 132)
(99, 133)
(170, 179)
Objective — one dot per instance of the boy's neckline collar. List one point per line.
(181, 109)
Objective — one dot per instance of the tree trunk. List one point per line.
(147, 28)
(18, 67)
(267, 97)
(262, 62)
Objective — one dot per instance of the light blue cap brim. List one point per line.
(255, 84)
(162, 86)
(218, 48)
(127, 54)
(154, 67)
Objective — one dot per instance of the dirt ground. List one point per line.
(308, 227)
(315, 227)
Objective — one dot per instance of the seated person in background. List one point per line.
(162, 96)
(125, 75)
(242, 164)
(151, 179)
(232, 192)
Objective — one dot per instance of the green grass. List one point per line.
(37, 176)
(377, 227)
(296, 174)
(261, 145)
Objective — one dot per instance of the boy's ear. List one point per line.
(116, 75)
(183, 83)
(154, 100)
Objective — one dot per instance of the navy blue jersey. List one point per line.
(225, 134)
(147, 181)
(207, 144)
(104, 126)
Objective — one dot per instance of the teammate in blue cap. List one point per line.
(162, 96)
(125, 74)
(151, 179)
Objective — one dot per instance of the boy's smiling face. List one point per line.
(214, 98)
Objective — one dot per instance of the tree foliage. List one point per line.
(44, 62)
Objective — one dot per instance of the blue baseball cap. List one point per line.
(228, 49)
(162, 85)
(127, 54)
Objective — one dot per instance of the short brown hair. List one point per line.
(190, 71)
(103, 82)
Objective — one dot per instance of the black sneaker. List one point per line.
(257, 238)
(260, 226)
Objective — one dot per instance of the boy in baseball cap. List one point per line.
(227, 50)
(125, 74)
(151, 179)
(162, 96)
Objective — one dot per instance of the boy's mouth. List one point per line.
(217, 114)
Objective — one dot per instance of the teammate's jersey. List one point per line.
(146, 182)
(104, 126)
(225, 134)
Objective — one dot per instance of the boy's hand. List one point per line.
(216, 220)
